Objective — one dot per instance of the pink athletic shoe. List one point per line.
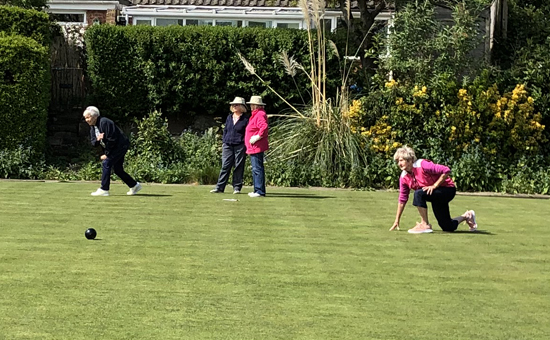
(421, 228)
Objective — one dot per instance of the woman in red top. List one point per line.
(256, 141)
(431, 183)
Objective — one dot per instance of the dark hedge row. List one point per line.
(189, 70)
(24, 78)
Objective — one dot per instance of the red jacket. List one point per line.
(257, 125)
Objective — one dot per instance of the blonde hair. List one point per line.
(243, 107)
(405, 152)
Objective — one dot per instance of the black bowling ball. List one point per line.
(90, 233)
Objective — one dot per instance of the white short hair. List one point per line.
(92, 111)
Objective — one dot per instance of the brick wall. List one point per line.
(92, 15)
(111, 16)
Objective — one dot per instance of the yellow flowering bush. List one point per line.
(479, 131)
(391, 84)
(464, 121)
(355, 114)
(515, 120)
(499, 122)
(383, 139)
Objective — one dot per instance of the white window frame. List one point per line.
(170, 18)
(300, 23)
(200, 19)
(215, 21)
(265, 20)
(85, 22)
(150, 19)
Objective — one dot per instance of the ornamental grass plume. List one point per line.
(252, 71)
(291, 67)
(321, 134)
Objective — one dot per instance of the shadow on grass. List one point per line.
(478, 232)
(291, 195)
(152, 195)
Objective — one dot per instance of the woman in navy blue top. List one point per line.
(115, 145)
(234, 150)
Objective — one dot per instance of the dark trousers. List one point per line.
(232, 155)
(440, 199)
(258, 173)
(115, 163)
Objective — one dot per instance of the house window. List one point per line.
(288, 25)
(144, 22)
(199, 22)
(68, 17)
(326, 25)
(234, 23)
(169, 22)
(259, 24)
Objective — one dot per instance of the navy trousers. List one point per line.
(115, 163)
(232, 155)
(440, 199)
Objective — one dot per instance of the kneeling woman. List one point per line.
(431, 183)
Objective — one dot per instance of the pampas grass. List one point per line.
(319, 135)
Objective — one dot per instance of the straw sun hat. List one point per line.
(256, 100)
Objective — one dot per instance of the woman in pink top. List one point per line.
(256, 141)
(431, 183)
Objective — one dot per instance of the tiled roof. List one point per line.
(230, 3)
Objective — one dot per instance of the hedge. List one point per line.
(186, 70)
(26, 22)
(24, 92)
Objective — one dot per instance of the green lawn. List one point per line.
(176, 262)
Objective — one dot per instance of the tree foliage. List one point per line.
(525, 54)
(363, 31)
(423, 49)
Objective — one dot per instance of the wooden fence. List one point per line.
(69, 88)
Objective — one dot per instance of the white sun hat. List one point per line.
(239, 101)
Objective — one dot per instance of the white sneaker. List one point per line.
(472, 223)
(100, 192)
(236, 192)
(134, 190)
(254, 194)
(216, 191)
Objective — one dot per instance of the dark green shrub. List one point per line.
(20, 162)
(29, 4)
(115, 69)
(153, 140)
(155, 156)
(24, 92)
(26, 22)
(201, 153)
(528, 176)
